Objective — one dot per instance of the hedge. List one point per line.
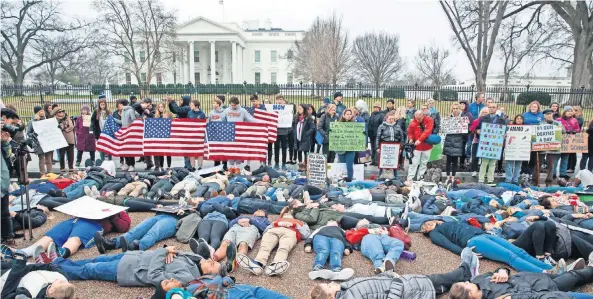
(445, 95)
(544, 98)
(126, 89)
(394, 92)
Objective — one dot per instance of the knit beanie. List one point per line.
(37, 109)
(566, 108)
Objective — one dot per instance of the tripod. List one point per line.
(21, 155)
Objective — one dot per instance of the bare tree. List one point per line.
(377, 58)
(431, 63)
(476, 25)
(141, 33)
(323, 55)
(28, 24)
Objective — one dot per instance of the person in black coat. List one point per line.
(374, 122)
(454, 147)
(303, 126)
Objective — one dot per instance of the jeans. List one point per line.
(418, 167)
(563, 164)
(246, 291)
(250, 205)
(79, 156)
(499, 249)
(487, 170)
(348, 158)
(103, 267)
(76, 190)
(151, 230)
(512, 171)
(325, 247)
(468, 145)
(379, 248)
(281, 143)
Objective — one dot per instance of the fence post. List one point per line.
(301, 97)
(582, 93)
(244, 93)
(415, 91)
(41, 95)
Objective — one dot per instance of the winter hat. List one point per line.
(391, 101)
(57, 110)
(548, 111)
(566, 108)
(326, 100)
(85, 107)
(37, 109)
(377, 105)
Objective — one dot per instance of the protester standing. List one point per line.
(571, 126)
(347, 157)
(390, 106)
(551, 156)
(375, 121)
(487, 165)
(340, 107)
(313, 114)
(513, 167)
(453, 148)
(281, 140)
(65, 124)
(196, 112)
(532, 117)
(117, 114)
(45, 159)
(464, 107)
(217, 114)
(159, 161)
(324, 125)
(388, 131)
(98, 120)
(430, 110)
(303, 127)
(236, 113)
(420, 128)
(555, 109)
(85, 140)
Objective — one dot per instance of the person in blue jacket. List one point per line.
(532, 117)
(477, 105)
(181, 108)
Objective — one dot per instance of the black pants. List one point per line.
(587, 157)
(528, 167)
(270, 152)
(452, 164)
(145, 205)
(572, 161)
(538, 238)
(331, 156)
(250, 205)
(281, 143)
(371, 219)
(113, 186)
(212, 231)
(163, 184)
(7, 229)
(225, 210)
(159, 161)
(373, 149)
(443, 282)
(475, 159)
(291, 149)
(79, 156)
(570, 280)
(582, 244)
(53, 202)
(130, 161)
(302, 156)
(224, 164)
(273, 173)
(348, 222)
(69, 151)
(463, 156)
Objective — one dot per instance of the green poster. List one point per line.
(347, 137)
(437, 152)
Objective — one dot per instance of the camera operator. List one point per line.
(9, 119)
(17, 138)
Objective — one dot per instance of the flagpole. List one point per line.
(221, 2)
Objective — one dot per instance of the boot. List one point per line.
(103, 245)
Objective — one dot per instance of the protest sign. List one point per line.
(491, 141)
(347, 137)
(337, 171)
(389, 155)
(317, 170)
(87, 207)
(285, 114)
(547, 137)
(436, 153)
(172, 209)
(454, 125)
(517, 143)
(210, 170)
(86, 121)
(574, 143)
(49, 134)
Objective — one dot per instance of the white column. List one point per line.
(240, 64)
(234, 62)
(213, 61)
(192, 68)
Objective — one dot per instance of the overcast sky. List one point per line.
(417, 23)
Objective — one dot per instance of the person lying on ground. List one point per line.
(391, 285)
(217, 286)
(222, 203)
(329, 242)
(245, 230)
(250, 205)
(413, 221)
(258, 189)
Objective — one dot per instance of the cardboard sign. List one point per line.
(86, 121)
(89, 208)
(317, 170)
(49, 135)
(284, 114)
(491, 141)
(389, 155)
(210, 170)
(517, 143)
(173, 208)
(337, 171)
(575, 143)
(347, 137)
(547, 137)
(454, 125)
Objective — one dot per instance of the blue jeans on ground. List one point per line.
(348, 158)
(103, 267)
(466, 194)
(379, 248)
(246, 291)
(151, 230)
(76, 190)
(499, 249)
(512, 171)
(325, 247)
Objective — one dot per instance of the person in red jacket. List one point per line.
(418, 131)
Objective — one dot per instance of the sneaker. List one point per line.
(379, 270)
(559, 269)
(87, 191)
(405, 212)
(549, 260)
(52, 251)
(342, 274)
(7, 252)
(124, 167)
(321, 274)
(131, 168)
(231, 254)
(277, 268)
(590, 258)
(94, 191)
(388, 265)
(250, 265)
(123, 243)
(474, 174)
(37, 255)
(577, 265)
(468, 257)
(200, 247)
(103, 245)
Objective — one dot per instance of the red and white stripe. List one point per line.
(251, 144)
(128, 141)
(187, 140)
(270, 118)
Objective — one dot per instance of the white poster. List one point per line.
(284, 114)
(517, 145)
(317, 170)
(337, 171)
(454, 125)
(389, 155)
(86, 121)
(49, 134)
(89, 208)
(210, 170)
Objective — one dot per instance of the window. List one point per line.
(126, 58)
(274, 34)
(196, 78)
(274, 56)
(290, 34)
(196, 56)
(216, 56)
(143, 78)
(257, 56)
(289, 78)
(128, 78)
(257, 78)
(159, 78)
(256, 34)
(273, 77)
(142, 56)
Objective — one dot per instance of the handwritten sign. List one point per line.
(86, 121)
(49, 135)
(491, 141)
(517, 143)
(454, 125)
(317, 170)
(87, 207)
(575, 143)
(547, 137)
(173, 209)
(284, 114)
(347, 137)
(389, 155)
(337, 171)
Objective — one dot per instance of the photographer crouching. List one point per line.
(9, 120)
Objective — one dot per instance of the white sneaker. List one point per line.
(131, 168)
(474, 174)
(306, 197)
(87, 191)
(124, 167)
(344, 274)
(94, 191)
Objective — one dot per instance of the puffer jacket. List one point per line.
(519, 283)
(307, 130)
(317, 217)
(375, 121)
(454, 144)
(436, 118)
(570, 125)
(385, 286)
(389, 133)
(32, 135)
(323, 126)
(38, 218)
(98, 175)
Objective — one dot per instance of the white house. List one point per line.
(227, 53)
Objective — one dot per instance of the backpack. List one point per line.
(563, 247)
(208, 290)
(187, 227)
(398, 232)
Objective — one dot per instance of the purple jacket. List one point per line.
(571, 125)
(85, 141)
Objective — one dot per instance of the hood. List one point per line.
(466, 105)
(186, 100)
(362, 106)
(127, 108)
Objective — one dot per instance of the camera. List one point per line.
(10, 129)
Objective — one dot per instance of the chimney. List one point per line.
(268, 24)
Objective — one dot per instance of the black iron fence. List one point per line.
(72, 97)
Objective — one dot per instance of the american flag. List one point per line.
(118, 142)
(237, 141)
(270, 118)
(182, 137)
